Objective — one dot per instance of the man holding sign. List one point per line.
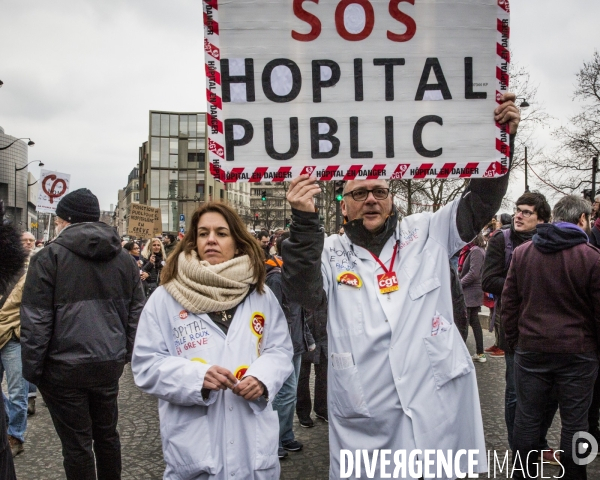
(363, 91)
(400, 376)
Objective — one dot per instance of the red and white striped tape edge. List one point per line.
(394, 171)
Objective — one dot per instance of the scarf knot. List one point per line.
(201, 287)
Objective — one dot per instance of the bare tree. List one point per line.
(570, 168)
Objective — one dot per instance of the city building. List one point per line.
(125, 198)
(119, 214)
(106, 216)
(172, 166)
(32, 214)
(16, 156)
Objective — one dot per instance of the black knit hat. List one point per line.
(79, 206)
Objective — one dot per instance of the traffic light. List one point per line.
(339, 190)
(264, 196)
(256, 216)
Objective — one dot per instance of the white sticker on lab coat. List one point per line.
(439, 324)
(341, 361)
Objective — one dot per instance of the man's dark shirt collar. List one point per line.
(373, 242)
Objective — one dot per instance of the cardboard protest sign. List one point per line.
(349, 89)
(143, 221)
(53, 186)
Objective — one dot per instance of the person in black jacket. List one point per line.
(284, 402)
(153, 260)
(317, 323)
(81, 303)
(13, 258)
(531, 210)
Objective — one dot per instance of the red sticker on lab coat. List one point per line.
(387, 282)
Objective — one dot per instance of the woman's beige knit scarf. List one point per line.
(201, 287)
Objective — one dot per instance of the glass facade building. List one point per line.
(14, 157)
(172, 165)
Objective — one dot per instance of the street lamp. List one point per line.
(41, 164)
(524, 104)
(30, 143)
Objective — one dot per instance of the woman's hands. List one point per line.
(249, 388)
(219, 378)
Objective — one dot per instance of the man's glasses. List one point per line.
(525, 213)
(361, 194)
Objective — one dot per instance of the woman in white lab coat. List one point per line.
(213, 346)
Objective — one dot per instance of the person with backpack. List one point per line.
(470, 279)
(531, 209)
(284, 402)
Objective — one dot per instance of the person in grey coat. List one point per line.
(470, 279)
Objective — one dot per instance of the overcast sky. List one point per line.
(81, 75)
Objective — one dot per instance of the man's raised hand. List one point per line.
(302, 192)
(508, 112)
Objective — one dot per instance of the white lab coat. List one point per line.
(391, 383)
(223, 436)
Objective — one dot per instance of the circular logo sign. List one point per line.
(257, 324)
(349, 278)
(183, 314)
(240, 371)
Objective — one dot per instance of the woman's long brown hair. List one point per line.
(244, 242)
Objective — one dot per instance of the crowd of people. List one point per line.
(223, 327)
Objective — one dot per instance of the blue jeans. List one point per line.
(510, 405)
(284, 403)
(18, 388)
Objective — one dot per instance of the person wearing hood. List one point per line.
(81, 302)
(531, 211)
(399, 375)
(551, 308)
(13, 259)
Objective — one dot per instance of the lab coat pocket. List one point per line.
(350, 322)
(347, 398)
(267, 439)
(186, 445)
(448, 356)
(420, 289)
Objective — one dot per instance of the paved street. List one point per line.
(142, 456)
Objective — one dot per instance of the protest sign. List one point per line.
(351, 89)
(53, 186)
(144, 221)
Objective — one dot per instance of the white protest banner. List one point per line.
(53, 186)
(348, 89)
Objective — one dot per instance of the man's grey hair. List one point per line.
(597, 198)
(569, 209)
